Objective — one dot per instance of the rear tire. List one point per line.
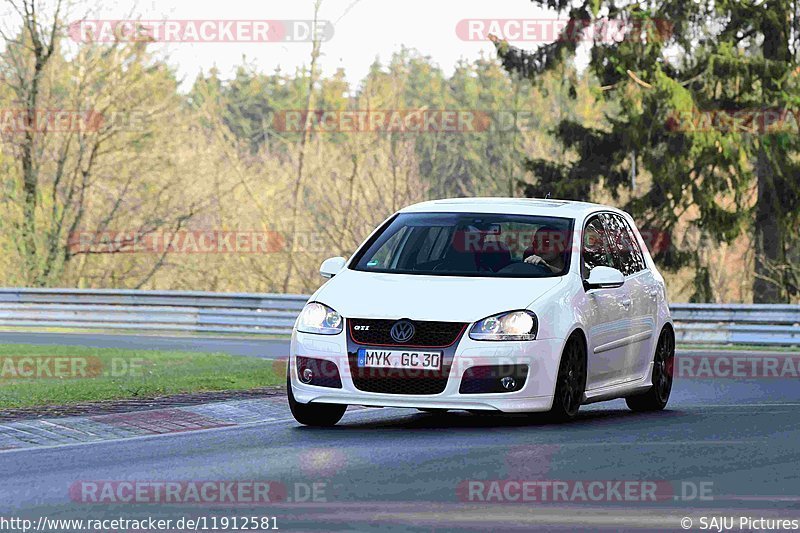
(571, 381)
(657, 396)
(314, 414)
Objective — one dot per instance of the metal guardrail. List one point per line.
(760, 324)
(175, 311)
(274, 314)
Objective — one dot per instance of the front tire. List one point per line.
(314, 414)
(657, 396)
(571, 381)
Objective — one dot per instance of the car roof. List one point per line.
(517, 206)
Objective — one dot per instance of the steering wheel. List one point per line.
(526, 268)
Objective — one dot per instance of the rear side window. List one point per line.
(596, 249)
(636, 250)
(623, 244)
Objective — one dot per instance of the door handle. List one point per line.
(626, 303)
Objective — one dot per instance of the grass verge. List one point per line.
(32, 376)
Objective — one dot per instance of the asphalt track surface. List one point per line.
(723, 448)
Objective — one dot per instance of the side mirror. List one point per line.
(602, 277)
(332, 266)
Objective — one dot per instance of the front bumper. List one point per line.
(542, 356)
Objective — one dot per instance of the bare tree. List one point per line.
(297, 190)
(83, 157)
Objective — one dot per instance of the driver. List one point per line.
(546, 249)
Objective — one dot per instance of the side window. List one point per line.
(623, 244)
(596, 250)
(618, 238)
(636, 251)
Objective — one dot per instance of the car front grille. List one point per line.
(440, 336)
(399, 382)
(427, 334)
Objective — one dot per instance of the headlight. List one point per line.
(512, 326)
(318, 318)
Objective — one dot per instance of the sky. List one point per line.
(363, 31)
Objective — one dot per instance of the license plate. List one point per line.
(368, 358)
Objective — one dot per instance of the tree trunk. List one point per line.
(297, 190)
(768, 234)
(769, 229)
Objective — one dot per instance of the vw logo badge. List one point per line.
(402, 331)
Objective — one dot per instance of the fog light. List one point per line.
(306, 375)
(508, 383)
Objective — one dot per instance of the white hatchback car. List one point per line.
(498, 304)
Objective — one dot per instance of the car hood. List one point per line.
(356, 294)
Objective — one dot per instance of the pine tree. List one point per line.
(697, 86)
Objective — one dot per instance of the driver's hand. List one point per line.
(535, 260)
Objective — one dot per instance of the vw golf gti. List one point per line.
(490, 304)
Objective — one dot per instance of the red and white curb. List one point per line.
(82, 429)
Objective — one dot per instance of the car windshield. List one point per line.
(470, 244)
